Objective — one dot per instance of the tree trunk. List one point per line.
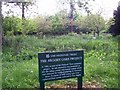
(98, 32)
(1, 26)
(71, 16)
(23, 18)
(94, 33)
(0, 43)
(23, 11)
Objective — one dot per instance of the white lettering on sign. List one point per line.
(61, 59)
(43, 61)
(73, 54)
(61, 70)
(60, 55)
(75, 58)
(47, 55)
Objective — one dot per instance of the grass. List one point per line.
(0, 74)
(20, 63)
(20, 74)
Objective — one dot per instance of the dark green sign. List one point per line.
(60, 65)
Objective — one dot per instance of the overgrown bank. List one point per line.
(20, 63)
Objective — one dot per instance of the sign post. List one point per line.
(42, 85)
(61, 65)
(79, 83)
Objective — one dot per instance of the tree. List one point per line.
(12, 24)
(60, 20)
(84, 4)
(109, 23)
(43, 25)
(23, 4)
(115, 28)
(95, 23)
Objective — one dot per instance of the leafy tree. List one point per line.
(30, 26)
(82, 4)
(63, 16)
(23, 5)
(15, 24)
(110, 22)
(95, 23)
(115, 28)
(44, 25)
(90, 23)
(12, 24)
(59, 22)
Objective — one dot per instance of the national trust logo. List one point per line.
(47, 55)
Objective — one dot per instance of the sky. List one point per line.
(49, 7)
(107, 6)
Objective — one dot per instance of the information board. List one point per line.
(60, 65)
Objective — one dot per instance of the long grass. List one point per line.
(20, 62)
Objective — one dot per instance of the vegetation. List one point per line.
(53, 25)
(24, 38)
(115, 28)
(20, 62)
(94, 23)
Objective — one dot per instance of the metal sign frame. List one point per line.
(50, 64)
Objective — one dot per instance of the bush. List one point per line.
(12, 24)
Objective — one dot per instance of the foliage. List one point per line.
(20, 70)
(115, 28)
(19, 58)
(95, 23)
(29, 25)
(16, 26)
(12, 24)
(53, 25)
(44, 25)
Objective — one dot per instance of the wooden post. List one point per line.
(80, 83)
(42, 85)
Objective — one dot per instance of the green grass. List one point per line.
(20, 63)
(22, 74)
(0, 75)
